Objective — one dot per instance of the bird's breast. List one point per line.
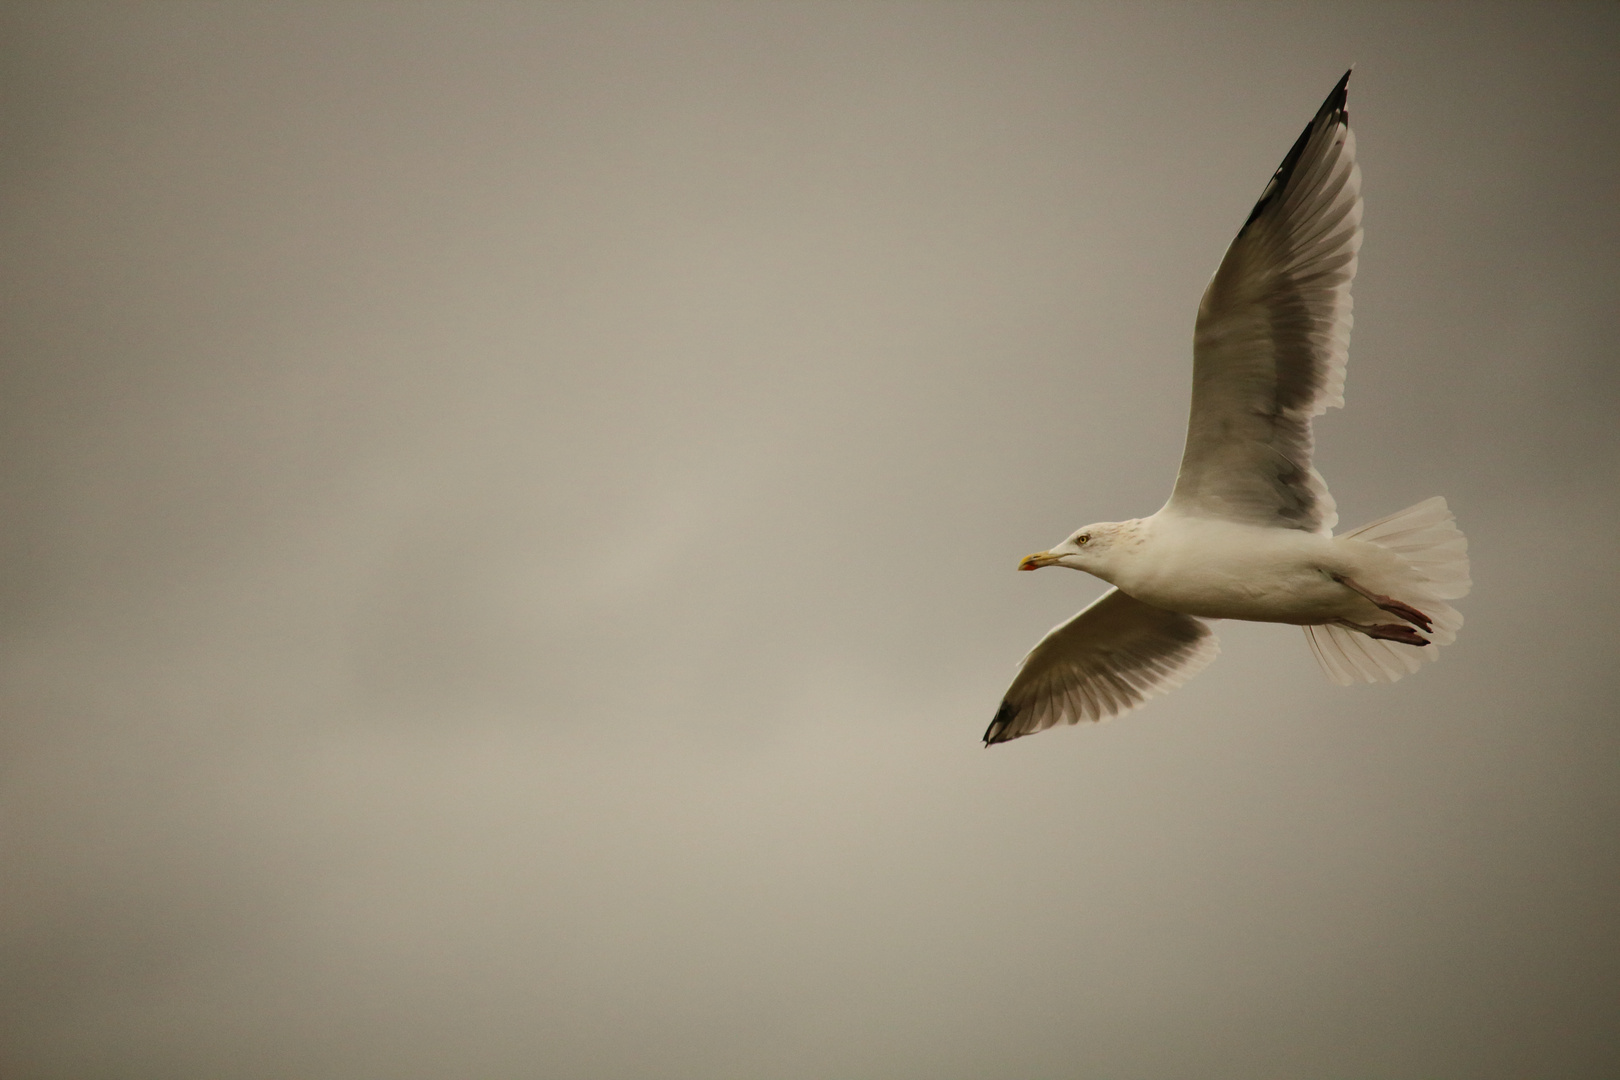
(1219, 570)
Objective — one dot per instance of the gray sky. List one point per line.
(510, 527)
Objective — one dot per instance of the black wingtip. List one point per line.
(997, 731)
(1334, 110)
(1335, 103)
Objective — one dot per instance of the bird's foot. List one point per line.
(1391, 605)
(1388, 632)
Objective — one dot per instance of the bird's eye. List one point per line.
(1083, 539)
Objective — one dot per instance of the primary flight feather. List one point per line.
(1248, 530)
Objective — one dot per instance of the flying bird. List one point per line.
(1248, 531)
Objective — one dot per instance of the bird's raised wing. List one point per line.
(1272, 337)
(1106, 660)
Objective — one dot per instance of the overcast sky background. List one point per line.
(510, 517)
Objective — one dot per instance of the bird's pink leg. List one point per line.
(1394, 607)
(1387, 631)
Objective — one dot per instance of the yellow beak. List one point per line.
(1038, 560)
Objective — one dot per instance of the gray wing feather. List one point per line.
(1106, 660)
(1272, 338)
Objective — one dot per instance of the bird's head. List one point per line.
(1092, 549)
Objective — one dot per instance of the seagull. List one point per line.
(1248, 531)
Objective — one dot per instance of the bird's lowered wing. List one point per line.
(1106, 660)
(1272, 337)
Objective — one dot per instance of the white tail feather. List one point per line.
(1430, 545)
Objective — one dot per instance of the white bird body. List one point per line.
(1248, 531)
(1219, 569)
